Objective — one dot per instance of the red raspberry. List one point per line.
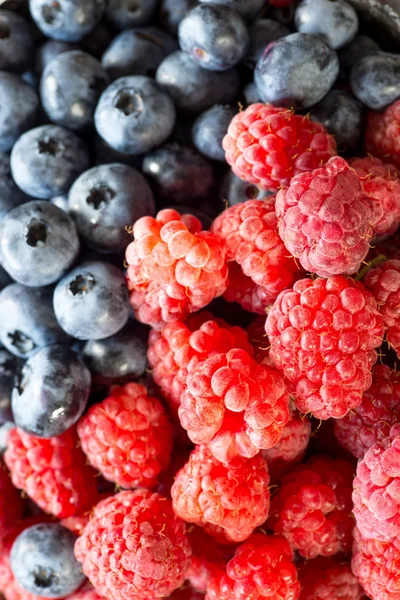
(53, 472)
(11, 505)
(268, 145)
(325, 219)
(185, 593)
(381, 182)
(371, 421)
(244, 291)
(259, 341)
(208, 560)
(382, 133)
(134, 546)
(127, 437)
(323, 335)
(312, 507)
(235, 404)
(261, 568)
(328, 579)
(234, 496)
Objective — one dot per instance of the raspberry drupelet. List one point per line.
(268, 145)
(232, 496)
(243, 290)
(236, 405)
(325, 219)
(328, 579)
(134, 546)
(323, 335)
(382, 134)
(312, 507)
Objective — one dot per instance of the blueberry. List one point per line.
(91, 302)
(105, 201)
(250, 93)
(43, 562)
(10, 194)
(209, 130)
(137, 52)
(38, 243)
(19, 109)
(123, 14)
(192, 88)
(335, 20)
(361, 46)
(134, 115)
(234, 190)
(9, 366)
(248, 9)
(179, 174)
(375, 79)
(215, 36)
(16, 42)
(298, 71)
(172, 12)
(342, 115)
(45, 161)
(262, 33)
(50, 50)
(66, 20)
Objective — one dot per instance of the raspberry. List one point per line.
(235, 404)
(134, 546)
(371, 421)
(208, 560)
(323, 335)
(328, 579)
(127, 437)
(325, 219)
(382, 133)
(11, 505)
(244, 291)
(87, 592)
(261, 568)
(381, 182)
(234, 496)
(259, 341)
(312, 507)
(52, 472)
(267, 145)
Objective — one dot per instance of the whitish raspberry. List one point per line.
(382, 134)
(328, 579)
(242, 289)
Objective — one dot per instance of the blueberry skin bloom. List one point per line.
(123, 14)
(19, 109)
(91, 302)
(43, 562)
(134, 115)
(66, 20)
(209, 130)
(335, 20)
(38, 243)
(16, 42)
(215, 36)
(10, 194)
(375, 79)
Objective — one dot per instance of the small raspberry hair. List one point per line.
(382, 134)
(134, 545)
(268, 145)
(328, 579)
(325, 219)
(371, 421)
(11, 505)
(52, 472)
(261, 568)
(323, 335)
(312, 507)
(209, 558)
(243, 290)
(236, 405)
(127, 437)
(233, 496)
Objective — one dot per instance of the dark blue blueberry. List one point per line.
(250, 93)
(16, 42)
(192, 88)
(234, 190)
(43, 562)
(124, 14)
(19, 109)
(91, 302)
(66, 20)
(10, 194)
(107, 199)
(210, 129)
(137, 52)
(50, 50)
(51, 392)
(262, 33)
(134, 115)
(297, 71)
(361, 46)
(215, 36)
(172, 12)
(70, 88)
(375, 79)
(45, 161)
(335, 20)
(248, 9)
(178, 174)
(342, 115)
(38, 243)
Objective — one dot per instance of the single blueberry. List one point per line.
(50, 50)
(43, 562)
(9, 367)
(124, 14)
(215, 36)
(45, 161)
(248, 9)
(234, 190)
(91, 302)
(375, 79)
(172, 12)
(262, 33)
(134, 115)
(361, 46)
(19, 109)
(66, 20)
(105, 201)
(38, 243)
(297, 71)
(342, 115)
(192, 88)
(10, 194)
(16, 42)
(335, 20)
(250, 93)
(210, 129)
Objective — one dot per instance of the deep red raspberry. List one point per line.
(11, 505)
(323, 335)
(127, 437)
(328, 579)
(233, 496)
(208, 560)
(134, 545)
(312, 507)
(325, 219)
(382, 134)
(236, 405)
(371, 421)
(268, 145)
(53, 472)
(244, 291)
(186, 593)
(261, 568)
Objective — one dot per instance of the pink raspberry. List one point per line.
(382, 134)
(328, 579)
(323, 335)
(242, 289)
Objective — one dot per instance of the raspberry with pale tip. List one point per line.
(382, 134)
